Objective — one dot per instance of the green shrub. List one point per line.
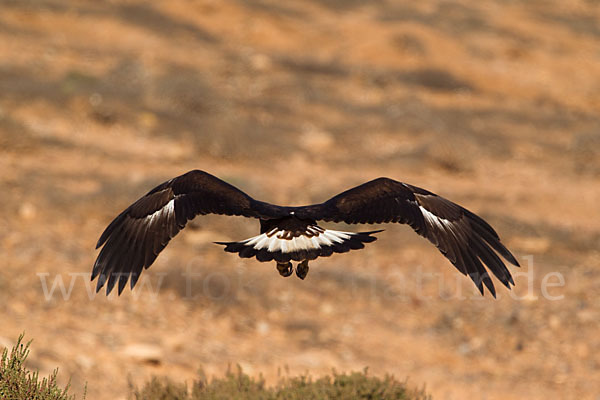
(17, 383)
(357, 385)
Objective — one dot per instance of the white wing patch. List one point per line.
(275, 240)
(434, 220)
(166, 212)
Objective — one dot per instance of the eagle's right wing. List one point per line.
(134, 239)
(460, 235)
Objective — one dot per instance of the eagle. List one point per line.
(133, 240)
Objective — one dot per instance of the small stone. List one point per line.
(534, 245)
(315, 140)
(263, 327)
(84, 362)
(326, 308)
(554, 322)
(27, 211)
(146, 353)
(260, 62)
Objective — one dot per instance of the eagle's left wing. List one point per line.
(134, 239)
(463, 237)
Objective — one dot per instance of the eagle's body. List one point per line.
(134, 239)
(292, 238)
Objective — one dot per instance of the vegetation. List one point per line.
(17, 383)
(237, 385)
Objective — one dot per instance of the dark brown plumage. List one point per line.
(133, 240)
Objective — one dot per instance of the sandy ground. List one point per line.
(492, 104)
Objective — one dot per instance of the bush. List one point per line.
(357, 385)
(17, 383)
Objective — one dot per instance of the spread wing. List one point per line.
(134, 239)
(465, 239)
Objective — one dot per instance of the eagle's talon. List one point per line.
(302, 269)
(285, 269)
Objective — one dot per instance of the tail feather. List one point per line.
(281, 249)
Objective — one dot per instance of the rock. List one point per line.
(315, 140)
(534, 245)
(263, 328)
(84, 362)
(260, 62)
(146, 353)
(27, 211)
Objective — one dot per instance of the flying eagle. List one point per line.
(133, 240)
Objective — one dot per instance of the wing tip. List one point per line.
(100, 283)
(487, 281)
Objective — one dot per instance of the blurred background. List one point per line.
(492, 104)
